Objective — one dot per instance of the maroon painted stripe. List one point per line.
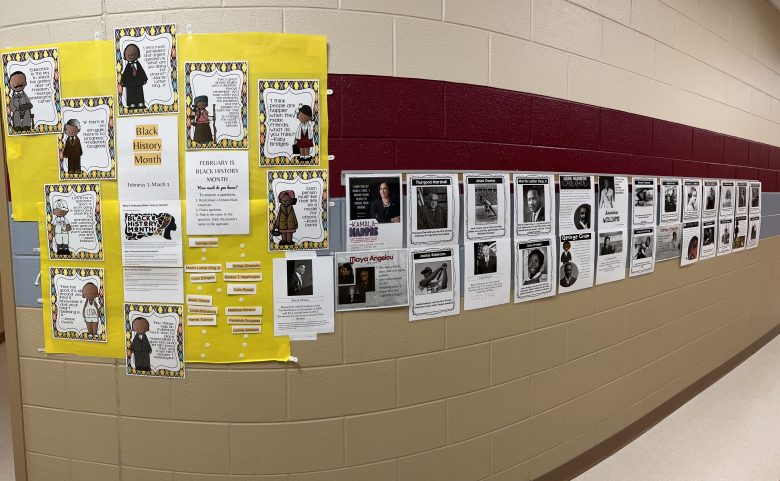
(394, 123)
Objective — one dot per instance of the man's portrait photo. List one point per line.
(708, 236)
(533, 210)
(610, 243)
(568, 274)
(709, 201)
(485, 258)
(741, 196)
(754, 196)
(725, 237)
(535, 266)
(582, 217)
(431, 208)
(670, 199)
(299, 278)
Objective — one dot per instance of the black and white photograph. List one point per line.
(691, 189)
(642, 251)
(489, 281)
(755, 231)
(670, 198)
(670, 210)
(741, 197)
(351, 295)
(534, 266)
(709, 241)
(606, 192)
(725, 231)
(434, 285)
(535, 274)
(485, 259)
(346, 274)
(643, 206)
(642, 246)
(739, 238)
(568, 274)
(711, 198)
(613, 203)
(610, 243)
(374, 217)
(432, 277)
(534, 205)
(755, 198)
(582, 217)
(371, 279)
(486, 206)
(299, 278)
(610, 257)
(575, 211)
(433, 209)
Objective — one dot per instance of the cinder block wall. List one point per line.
(500, 394)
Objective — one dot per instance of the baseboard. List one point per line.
(608, 447)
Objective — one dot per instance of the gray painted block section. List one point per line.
(770, 203)
(770, 226)
(24, 238)
(26, 269)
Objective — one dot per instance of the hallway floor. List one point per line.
(729, 432)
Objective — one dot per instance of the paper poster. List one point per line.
(78, 305)
(643, 206)
(691, 189)
(613, 203)
(670, 212)
(434, 286)
(725, 232)
(727, 196)
(711, 194)
(374, 214)
(755, 198)
(74, 221)
(31, 91)
(150, 233)
(486, 206)
(371, 279)
(86, 146)
(147, 70)
(535, 273)
(642, 251)
(611, 257)
(576, 203)
(289, 122)
(742, 197)
(153, 285)
(690, 243)
(575, 270)
(154, 340)
(755, 231)
(217, 110)
(534, 205)
(217, 192)
(740, 233)
(709, 244)
(487, 274)
(433, 209)
(148, 158)
(303, 296)
(297, 210)
(668, 242)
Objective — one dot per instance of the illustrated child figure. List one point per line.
(91, 309)
(140, 344)
(304, 135)
(286, 221)
(62, 227)
(71, 152)
(200, 120)
(133, 78)
(21, 107)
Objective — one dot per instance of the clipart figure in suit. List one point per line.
(140, 344)
(133, 78)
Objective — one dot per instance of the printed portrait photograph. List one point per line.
(533, 207)
(582, 217)
(535, 265)
(610, 243)
(670, 198)
(643, 196)
(346, 274)
(693, 248)
(709, 198)
(708, 236)
(485, 261)
(432, 277)
(606, 192)
(431, 208)
(741, 196)
(691, 199)
(375, 198)
(753, 232)
(300, 278)
(568, 274)
(486, 204)
(725, 236)
(351, 295)
(725, 197)
(643, 247)
(364, 279)
(754, 197)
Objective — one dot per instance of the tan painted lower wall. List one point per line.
(499, 394)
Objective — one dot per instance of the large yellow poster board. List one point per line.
(88, 69)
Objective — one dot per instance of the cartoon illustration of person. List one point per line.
(71, 151)
(62, 227)
(200, 120)
(140, 345)
(133, 78)
(286, 222)
(91, 309)
(304, 135)
(21, 107)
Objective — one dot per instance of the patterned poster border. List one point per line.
(207, 67)
(161, 309)
(22, 56)
(138, 32)
(83, 272)
(264, 85)
(272, 201)
(78, 188)
(76, 103)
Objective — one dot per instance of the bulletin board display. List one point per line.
(88, 69)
